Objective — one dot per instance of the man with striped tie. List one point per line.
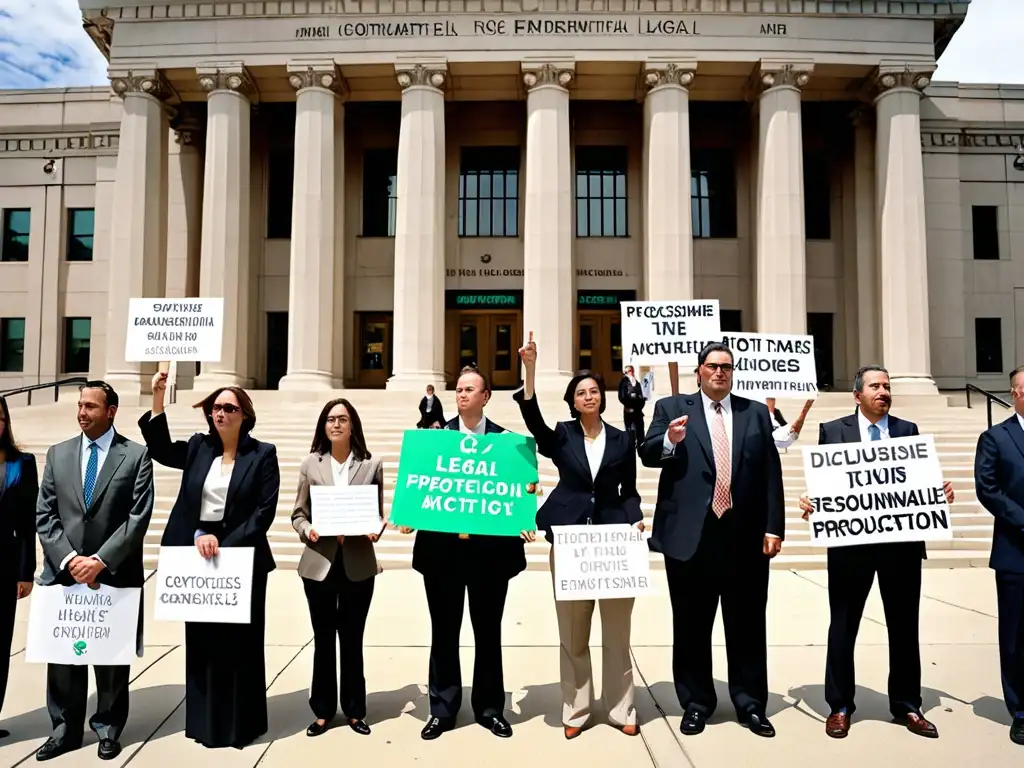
(719, 520)
(94, 506)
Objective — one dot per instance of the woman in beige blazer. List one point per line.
(337, 571)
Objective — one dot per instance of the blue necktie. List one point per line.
(91, 470)
(875, 432)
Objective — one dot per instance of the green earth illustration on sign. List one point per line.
(79, 647)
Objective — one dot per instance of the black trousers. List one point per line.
(851, 572)
(8, 611)
(446, 597)
(1010, 599)
(634, 423)
(735, 572)
(67, 692)
(338, 608)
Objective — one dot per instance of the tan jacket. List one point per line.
(360, 560)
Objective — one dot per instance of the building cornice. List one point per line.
(967, 138)
(84, 143)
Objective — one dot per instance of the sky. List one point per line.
(42, 44)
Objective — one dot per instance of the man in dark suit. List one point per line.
(94, 506)
(999, 480)
(719, 521)
(851, 572)
(631, 395)
(431, 412)
(454, 565)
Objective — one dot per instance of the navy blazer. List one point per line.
(999, 481)
(687, 482)
(578, 498)
(18, 522)
(439, 554)
(847, 430)
(251, 503)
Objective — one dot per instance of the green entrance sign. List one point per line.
(457, 483)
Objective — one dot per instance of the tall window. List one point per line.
(601, 191)
(280, 122)
(988, 344)
(817, 195)
(380, 192)
(81, 228)
(77, 342)
(12, 344)
(489, 192)
(985, 221)
(713, 192)
(14, 242)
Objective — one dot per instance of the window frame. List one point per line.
(983, 241)
(477, 163)
(717, 167)
(7, 237)
(373, 160)
(978, 335)
(5, 353)
(68, 338)
(597, 163)
(72, 242)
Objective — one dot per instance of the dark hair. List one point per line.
(1014, 372)
(858, 380)
(7, 444)
(321, 443)
(112, 399)
(570, 391)
(714, 346)
(473, 369)
(248, 412)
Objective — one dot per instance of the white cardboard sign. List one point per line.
(184, 330)
(191, 588)
(772, 365)
(658, 332)
(345, 510)
(601, 562)
(79, 625)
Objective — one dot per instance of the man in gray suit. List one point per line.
(94, 506)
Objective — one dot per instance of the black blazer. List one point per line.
(434, 416)
(630, 397)
(18, 522)
(436, 554)
(847, 430)
(687, 482)
(578, 498)
(252, 494)
(999, 481)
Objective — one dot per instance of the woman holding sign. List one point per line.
(596, 485)
(19, 486)
(228, 498)
(338, 569)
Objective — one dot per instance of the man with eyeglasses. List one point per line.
(719, 520)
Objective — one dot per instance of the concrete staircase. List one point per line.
(288, 420)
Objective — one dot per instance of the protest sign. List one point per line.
(601, 562)
(876, 492)
(772, 365)
(457, 483)
(187, 330)
(657, 332)
(216, 591)
(79, 625)
(345, 510)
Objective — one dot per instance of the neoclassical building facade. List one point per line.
(383, 191)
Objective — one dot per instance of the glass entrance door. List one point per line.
(373, 349)
(488, 340)
(599, 344)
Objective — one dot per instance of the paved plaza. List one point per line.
(959, 657)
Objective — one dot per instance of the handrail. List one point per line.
(989, 399)
(80, 380)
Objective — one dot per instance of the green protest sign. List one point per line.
(457, 483)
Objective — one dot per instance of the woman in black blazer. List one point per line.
(596, 485)
(19, 486)
(228, 498)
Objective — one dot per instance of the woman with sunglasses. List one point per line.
(19, 487)
(337, 571)
(228, 498)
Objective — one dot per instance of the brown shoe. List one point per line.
(837, 725)
(572, 732)
(918, 726)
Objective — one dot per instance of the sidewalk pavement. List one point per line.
(959, 658)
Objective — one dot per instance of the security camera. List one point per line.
(1018, 163)
(48, 167)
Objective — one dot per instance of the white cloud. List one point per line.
(42, 44)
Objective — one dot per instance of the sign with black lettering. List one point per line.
(179, 330)
(215, 591)
(80, 625)
(601, 562)
(876, 492)
(772, 365)
(658, 332)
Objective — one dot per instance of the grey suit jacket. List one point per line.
(113, 528)
(360, 560)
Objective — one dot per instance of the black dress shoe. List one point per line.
(497, 725)
(108, 749)
(693, 723)
(316, 729)
(435, 727)
(359, 726)
(1017, 731)
(759, 725)
(53, 748)
(4, 733)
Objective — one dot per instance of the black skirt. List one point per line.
(226, 677)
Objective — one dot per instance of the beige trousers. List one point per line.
(617, 695)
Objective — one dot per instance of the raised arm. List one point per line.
(25, 519)
(546, 437)
(986, 483)
(56, 547)
(259, 522)
(652, 450)
(129, 538)
(155, 432)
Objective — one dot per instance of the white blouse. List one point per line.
(595, 452)
(215, 492)
(340, 470)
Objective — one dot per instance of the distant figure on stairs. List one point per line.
(431, 412)
(631, 395)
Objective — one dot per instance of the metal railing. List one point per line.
(990, 398)
(55, 385)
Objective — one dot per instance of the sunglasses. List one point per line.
(228, 408)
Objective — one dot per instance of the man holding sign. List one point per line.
(851, 572)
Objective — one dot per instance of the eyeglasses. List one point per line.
(726, 367)
(228, 408)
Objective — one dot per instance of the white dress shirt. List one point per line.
(479, 429)
(340, 470)
(430, 402)
(863, 423)
(1020, 420)
(783, 434)
(103, 443)
(595, 451)
(215, 492)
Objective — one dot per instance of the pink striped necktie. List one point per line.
(722, 499)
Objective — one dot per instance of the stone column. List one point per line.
(549, 283)
(902, 245)
(418, 344)
(225, 258)
(869, 350)
(781, 270)
(139, 224)
(317, 252)
(668, 221)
